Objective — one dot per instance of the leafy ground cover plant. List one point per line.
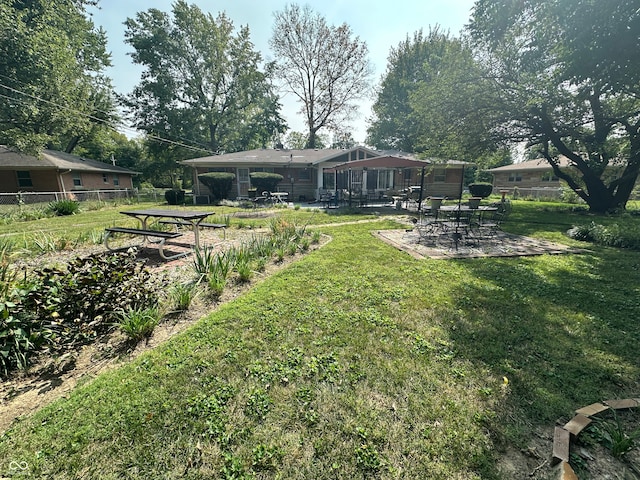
(20, 335)
(63, 307)
(614, 435)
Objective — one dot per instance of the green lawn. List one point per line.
(359, 361)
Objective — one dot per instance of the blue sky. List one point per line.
(381, 24)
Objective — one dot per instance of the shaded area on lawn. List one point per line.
(549, 327)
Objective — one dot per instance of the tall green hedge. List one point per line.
(480, 189)
(218, 183)
(265, 181)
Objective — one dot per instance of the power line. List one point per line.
(99, 120)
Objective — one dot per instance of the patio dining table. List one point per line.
(455, 223)
(280, 197)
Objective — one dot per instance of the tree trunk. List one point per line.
(213, 142)
(311, 140)
(600, 197)
(72, 144)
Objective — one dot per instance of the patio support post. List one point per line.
(350, 192)
(421, 189)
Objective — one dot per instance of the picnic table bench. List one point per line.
(181, 223)
(144, 233)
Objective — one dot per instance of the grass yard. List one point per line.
(358, 361)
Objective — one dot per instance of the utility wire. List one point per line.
(100, 120)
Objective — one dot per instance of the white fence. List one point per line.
(531, 192)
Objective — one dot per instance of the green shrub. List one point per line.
(567, 195)
(218, 183)
(265, 181)
(480, 189)
(174, 197)
(64, 207)
(621, 235)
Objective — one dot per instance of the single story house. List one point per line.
(59, 172)
(308, 173)
(535, 177)
(535, 173)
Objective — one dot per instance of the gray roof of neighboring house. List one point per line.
(272, 157)
(53, 160)
(536, 164)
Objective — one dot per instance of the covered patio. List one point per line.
(400, 181)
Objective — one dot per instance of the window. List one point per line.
(515, 177)
(116, 180)
(243, 175)
(77, 180)
(304, 174)
(24, 179)
(439, 175)
(105, 179)
(385, 179)
(328, 181)
(549, 177)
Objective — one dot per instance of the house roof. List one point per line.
(387, 161)
(332, 157)
(271, 157)
(54, 160)
(529, 165)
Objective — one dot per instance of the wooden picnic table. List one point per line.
(192, 218)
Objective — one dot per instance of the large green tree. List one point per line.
(425, 75)
(325, 67)
(568, 81)
(52, 84)
(393, 124)
(201, 85)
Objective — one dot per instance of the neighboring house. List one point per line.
(536, 177)
(308, 173)
(534, 174)
(59, 172)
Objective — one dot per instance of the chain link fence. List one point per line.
(10, 202)
(34, 198)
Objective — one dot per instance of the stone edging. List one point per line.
(562, 436)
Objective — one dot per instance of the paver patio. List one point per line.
(503, 245)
